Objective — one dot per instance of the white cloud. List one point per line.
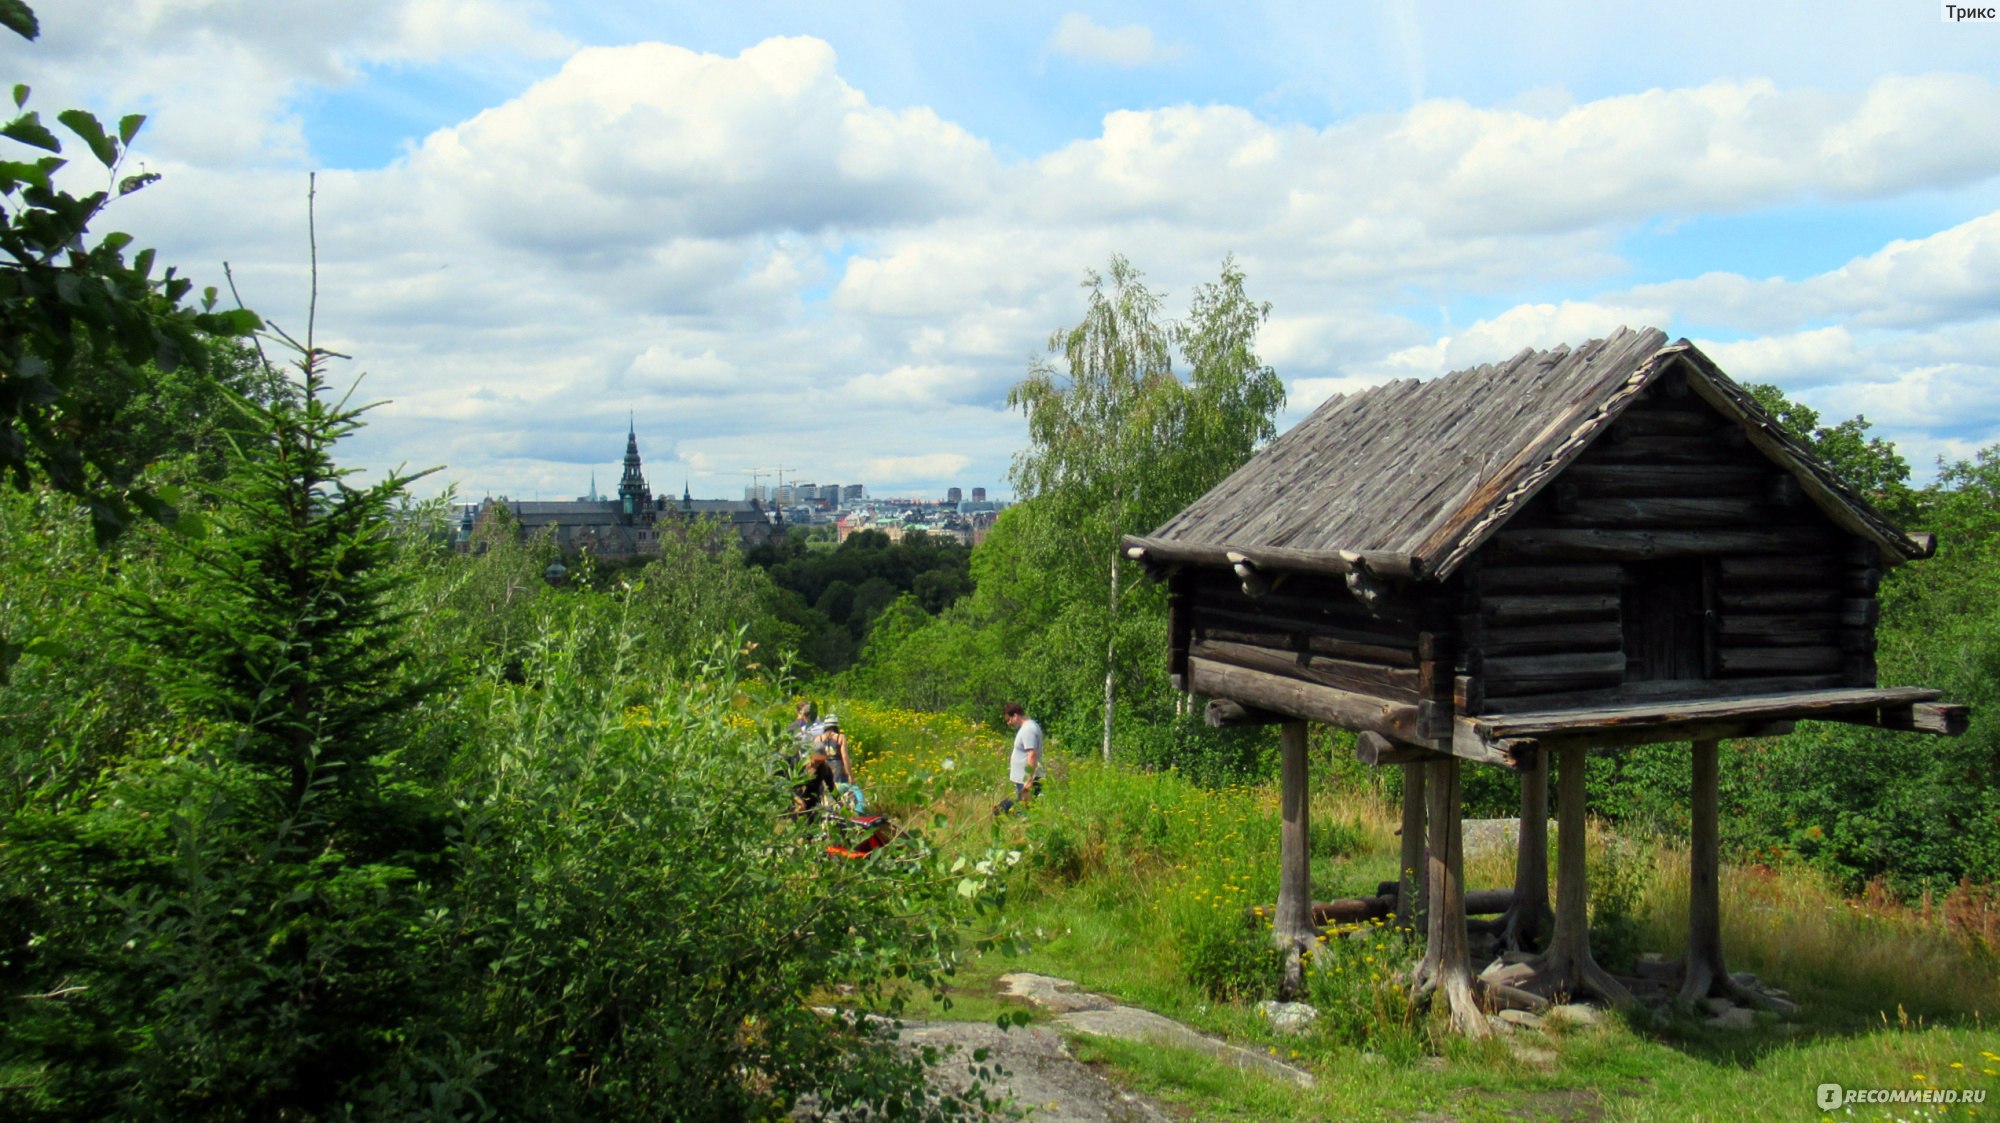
(769, 266)
(630, 147)
(1080, 37)
(901, 470)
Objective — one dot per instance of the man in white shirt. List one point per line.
(1025, 768)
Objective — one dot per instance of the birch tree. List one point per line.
(1118, 442)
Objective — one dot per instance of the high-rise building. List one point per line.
(979, 495)
(954, 495)
(852, 492)
(829, 493)
(757, 493)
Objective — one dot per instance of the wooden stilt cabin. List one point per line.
(1586, 547)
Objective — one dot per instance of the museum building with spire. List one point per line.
(625, 526)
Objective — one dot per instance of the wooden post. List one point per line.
(1447, 963)
(1292, 928)
(1410, 880)
(1567, 966)
(1529, 919)
(1703, 973)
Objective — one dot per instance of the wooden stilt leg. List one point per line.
(1292, 928)
(1447, 965)
(1410, 882)
(1704, 974)
(1567, 967)
(1529, 918)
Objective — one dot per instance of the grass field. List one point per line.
(1138, 886)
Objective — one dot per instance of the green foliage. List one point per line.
(1357, 977)
(1869, 465)
(1619, 882)
(366, 830)
(592, 840)
(229, 904)
(82, 328)
(1118, 444)
(287, 633)
(1211, 758)
(833, 599)
(1230, 961)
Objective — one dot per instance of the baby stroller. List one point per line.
(857, 836)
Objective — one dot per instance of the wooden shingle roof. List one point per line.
(1409, 478)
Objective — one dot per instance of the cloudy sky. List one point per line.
(829, 237)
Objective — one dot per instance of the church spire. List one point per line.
(632, 489)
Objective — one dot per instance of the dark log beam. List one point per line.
(1273, 558)
(1943, 719)
(1656, 692)
(1221, 713)
(1305, 700)
(1376, 750)
(1470, 742)
(1667, 512)
(1545, 579)
(1361, 678)
(1609, 481)
(1292, 634)
(1642, 545)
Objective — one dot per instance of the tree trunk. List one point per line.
(1111, 655)
(1292, 929)
(1447, 965)
(1528, 919)
(1567, 967)
(1410, 879)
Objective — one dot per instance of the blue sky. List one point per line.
(831, 236)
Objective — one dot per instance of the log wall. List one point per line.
(1311, 630)
(1671, 493)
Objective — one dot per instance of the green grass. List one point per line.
(1138, 886)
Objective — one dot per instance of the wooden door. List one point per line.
(1665, 608)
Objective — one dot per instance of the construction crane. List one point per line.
(756, 476)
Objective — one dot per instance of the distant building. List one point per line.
(852, 493)
(628, 526)
(979, 495)
(954, 496)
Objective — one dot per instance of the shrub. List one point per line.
(1357, 977)
(1228, 960)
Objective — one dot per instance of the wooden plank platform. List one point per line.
(1826, 705)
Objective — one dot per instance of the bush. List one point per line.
(1619, 882)
(1230, 961)
(637, 926)
(1357, 977)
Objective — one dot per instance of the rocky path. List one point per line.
(1043, 1075)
